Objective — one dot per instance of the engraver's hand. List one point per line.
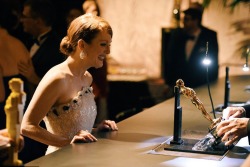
(233, 112)
(232, 130)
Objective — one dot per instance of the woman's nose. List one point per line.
(107, 51)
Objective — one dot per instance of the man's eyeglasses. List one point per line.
(26, 17)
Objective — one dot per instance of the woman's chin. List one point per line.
(99, 65)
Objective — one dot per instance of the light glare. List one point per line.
(206, 61)
(245, 68)
(175, 11)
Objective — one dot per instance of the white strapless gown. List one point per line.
(68, 119)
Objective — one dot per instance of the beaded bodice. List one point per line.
(68, 119)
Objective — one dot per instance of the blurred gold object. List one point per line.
(14, 112)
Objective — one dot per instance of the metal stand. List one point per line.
(227, 89)
(227, 101)
(177, 118)
(186, 145)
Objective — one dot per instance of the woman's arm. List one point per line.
(46, 95)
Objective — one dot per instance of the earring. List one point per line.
(82, 55)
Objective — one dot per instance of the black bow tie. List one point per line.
(190, 37)
(38, 42)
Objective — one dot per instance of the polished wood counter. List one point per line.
(142, 132)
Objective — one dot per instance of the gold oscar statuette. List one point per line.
(14, 112)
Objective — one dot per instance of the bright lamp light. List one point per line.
(206, 61)
(245, 68)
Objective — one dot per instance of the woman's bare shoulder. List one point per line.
(55, 76)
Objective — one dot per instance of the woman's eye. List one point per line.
(103, 44)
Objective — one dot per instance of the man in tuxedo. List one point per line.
(187, 50)
(37, 19)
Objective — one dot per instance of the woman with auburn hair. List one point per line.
(64, 98)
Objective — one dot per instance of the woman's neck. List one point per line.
(77, 68)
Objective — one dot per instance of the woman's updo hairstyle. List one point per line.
(85, 27)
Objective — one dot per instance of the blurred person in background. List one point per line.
(37, 19)
(187, 49)
(12, 52)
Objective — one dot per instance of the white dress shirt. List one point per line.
(191, 43)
